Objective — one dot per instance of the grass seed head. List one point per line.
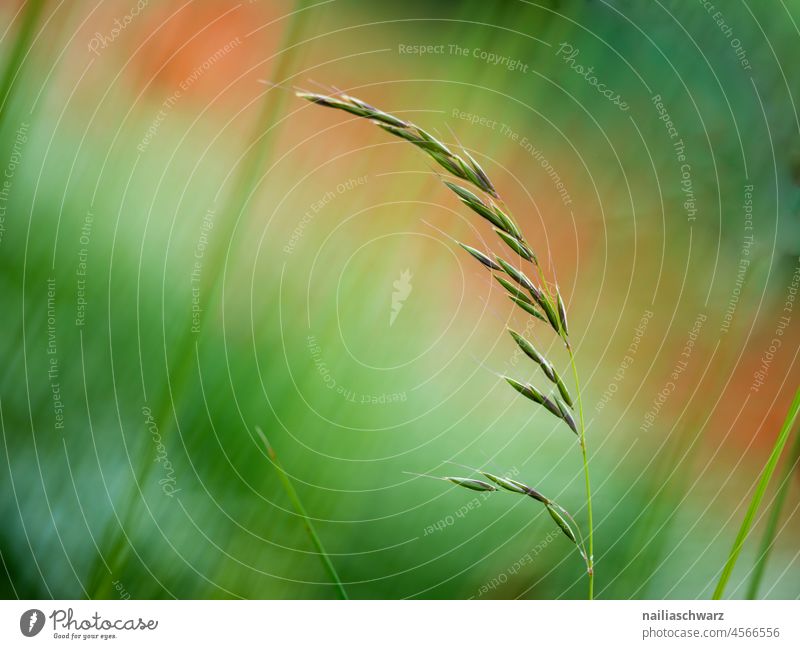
(467, 169)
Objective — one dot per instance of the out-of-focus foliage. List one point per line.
(156, 181)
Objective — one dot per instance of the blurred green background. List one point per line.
(189, 252)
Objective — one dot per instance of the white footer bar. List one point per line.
(401, 625)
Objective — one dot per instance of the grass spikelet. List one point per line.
(566, 415)
(476, 205)
(549, 311)
(447, 163)
(436, 144)
(486, 261)
(562, 388)
(512, 290)
(355, 107)
(546, 366)
(510, 226)
(517, 487)
(530, 392)
(523, 389)
(533, 354)
(518, 276)
(554, 405)
(528, 307)
(471, 483)
(506, 483)
(468, 172)
(485, 183)
(464, 194)
(515, 244)
(407, 135)
(562, 523)
(549, 404)
(562, 312)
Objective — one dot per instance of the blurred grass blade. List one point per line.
(301, 511)
(169, 401)
(774, 518)
(18, 53)
(758, 496)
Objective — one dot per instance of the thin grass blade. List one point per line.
(758, 496)
(301, 512)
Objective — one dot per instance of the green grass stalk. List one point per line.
(584, 453)
(582, 437)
